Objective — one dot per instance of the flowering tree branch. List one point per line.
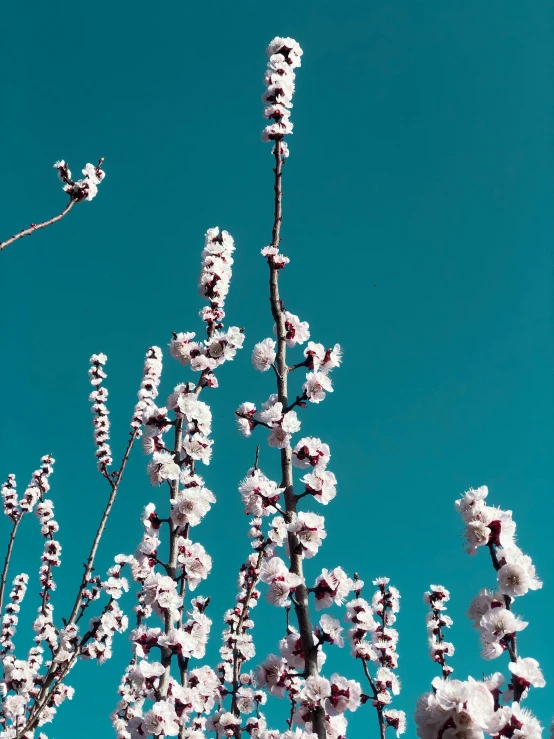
(41, 694)
(78, 190)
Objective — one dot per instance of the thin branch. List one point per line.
(37, 226)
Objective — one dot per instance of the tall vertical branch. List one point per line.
(301, 604)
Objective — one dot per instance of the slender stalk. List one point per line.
(301, 605)
(37, 226)
(4, 576)
(89, 566)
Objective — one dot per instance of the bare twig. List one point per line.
(37, 226)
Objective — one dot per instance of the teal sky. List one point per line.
(418, 217)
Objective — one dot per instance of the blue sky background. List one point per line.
(418, 217)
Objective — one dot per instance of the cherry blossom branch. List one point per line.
(79, 190)
(301, 605)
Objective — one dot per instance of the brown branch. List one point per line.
(37, 226)
(301, 606)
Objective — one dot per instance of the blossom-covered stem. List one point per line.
(301, 606)
(4, 575)
(382, 727)
(36, 226)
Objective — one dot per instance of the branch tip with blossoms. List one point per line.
(78, 190)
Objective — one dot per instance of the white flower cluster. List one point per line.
(373, 639)
(281, 581)
(37, 488)
(103, 628)
(437, 620)
(9, 499)
(11, 618)
(284, 57)
(335, 695)
(215, 278)
(457, 708)
(101, 421)
(186, 706)
(39, 485)
(472, 708)
(148, 391)
(259, 494)
(497, 625)
(19, 687)
(85, 188)
(495, 528)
